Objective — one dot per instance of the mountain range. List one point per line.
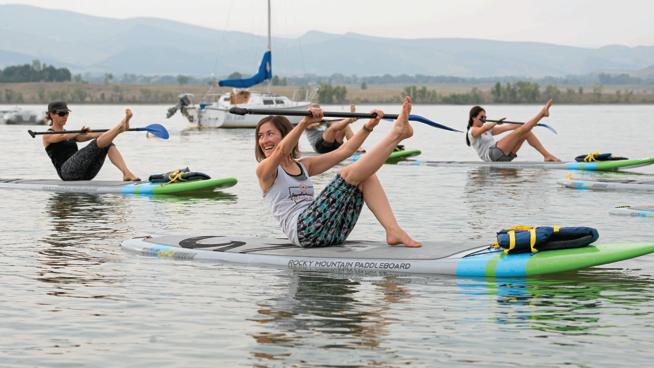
(152, 46)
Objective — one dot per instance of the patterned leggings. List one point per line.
(85, 164)
(330, 218)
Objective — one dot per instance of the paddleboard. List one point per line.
(627, 185)
(585, 166)
(432, 258)
(635, 211)
(394, 157)
(122, 187)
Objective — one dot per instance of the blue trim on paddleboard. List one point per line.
(478, 265)
(143, 188)
(475, 265)
(157, 250)
(515, 265)
(588, 166)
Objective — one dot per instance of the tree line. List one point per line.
(35, 72)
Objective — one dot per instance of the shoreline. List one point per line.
(442, 94)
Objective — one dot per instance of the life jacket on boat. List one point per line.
(177, 176)
(596, 156)
(522, 239)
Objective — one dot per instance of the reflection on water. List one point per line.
(77, 222)
(328, 310)
(582, 303)
(492, 194)
(217, 196)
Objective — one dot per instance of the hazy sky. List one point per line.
(570, 22)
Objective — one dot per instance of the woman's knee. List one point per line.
(349, 175)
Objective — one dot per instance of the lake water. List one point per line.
(70, 297)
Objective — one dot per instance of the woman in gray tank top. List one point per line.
(480, 134)
(328, 219)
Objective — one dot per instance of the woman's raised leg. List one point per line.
(512, 142)
(336, 131)
(106, 138)
(369, 163)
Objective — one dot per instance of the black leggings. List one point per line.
(85, 164)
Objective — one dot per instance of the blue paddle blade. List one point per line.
(434, 124)
(547, 127)
(157, 130)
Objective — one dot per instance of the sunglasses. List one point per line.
(62, 113)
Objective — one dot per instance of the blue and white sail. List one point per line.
(216, 114)
(264, 73)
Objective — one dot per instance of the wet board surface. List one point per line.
(627, 185)
(122, 187)
(433, 258)
(634, 211)
(584, 166)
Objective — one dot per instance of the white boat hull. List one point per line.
(212, 117)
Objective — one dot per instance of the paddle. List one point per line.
(520, 123)
(336, 114)
(157, 130)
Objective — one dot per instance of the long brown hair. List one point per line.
(48, 118)
(283, 125)
(473, 114)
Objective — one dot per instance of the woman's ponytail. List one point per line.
(473, 113)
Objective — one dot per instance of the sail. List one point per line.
(265, 72)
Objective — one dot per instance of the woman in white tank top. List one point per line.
(328, 219)
(480, 135)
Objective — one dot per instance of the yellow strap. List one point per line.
(511, 241)
(520, 227)
(532, 240)
(175, 176)
(556, 228)
(590, 157)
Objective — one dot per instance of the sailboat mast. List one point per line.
(269, 46)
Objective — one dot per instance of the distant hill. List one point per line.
(151, 46)
(647, 72)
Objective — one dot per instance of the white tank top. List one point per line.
(288, 197)
(482, 144)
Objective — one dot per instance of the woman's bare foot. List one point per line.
(400, 236)
(545, 111)
(124, 124)
(402, 127)
(551, 158)
(129, 176)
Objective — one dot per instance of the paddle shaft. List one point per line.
(327, 114)
(34, 134)
(504, 122)
(520, 123)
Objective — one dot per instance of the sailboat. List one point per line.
(216, 114)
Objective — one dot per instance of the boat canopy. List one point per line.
(265, 72)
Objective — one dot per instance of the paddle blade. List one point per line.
(548, 127)
(157, 130)
(434, 124)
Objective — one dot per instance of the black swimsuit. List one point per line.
(74, 164)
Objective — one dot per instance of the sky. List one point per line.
(586, 23)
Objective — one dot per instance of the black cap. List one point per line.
(57, 106)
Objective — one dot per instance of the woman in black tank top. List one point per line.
(84, 164)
